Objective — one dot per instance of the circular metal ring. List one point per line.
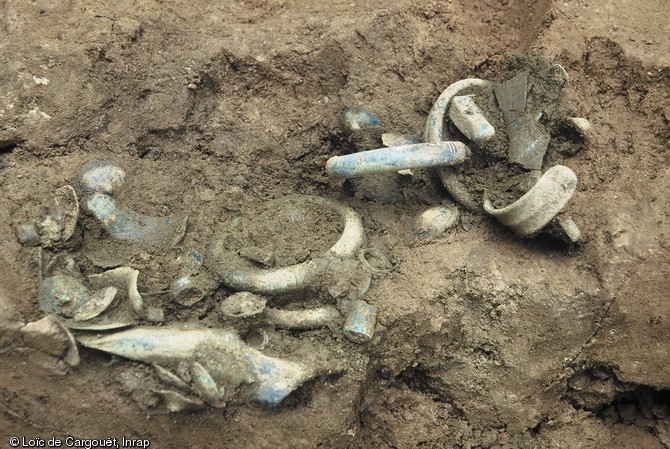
(271, 281)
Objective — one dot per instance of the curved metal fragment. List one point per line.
(104, 325)
(374, 261)
(257, 338)
(434, 125)
(98, 303)
(72, 355)
(402, 157)
(433, 133)
(125, 279)
(66, 296)
(206, 387)
(124, 224)
(168, 377)
(540, 204)
(227, 359)
(570, 229)
(580, 124)
(234, 274)
(457, 190)
(27, 234)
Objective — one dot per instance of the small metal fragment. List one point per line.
(257, 338)
(101, 176)
(104, 325)
(185, 292)
(62, 263)
(528, 143)
(374, 261)
(27, 234)
(581, 125)
(433, 132)
(176, 402)
(470, 119)
(194, 261)
(154, 314)
(349, 277)
(359, 118)
(58, 226)
(392, 159)
(171, 379)
(512, 96)
(359, 324)
(433, 222)
(65, 211)
(242, 305)
(570, 229)
(102, 259)
(72, 354)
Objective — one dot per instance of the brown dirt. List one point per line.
(483, 340)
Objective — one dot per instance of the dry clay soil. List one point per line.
(483, 339)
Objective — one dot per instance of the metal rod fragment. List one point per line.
(305, 319)
(397, 158)
(470, 119)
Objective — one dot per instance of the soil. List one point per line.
(483, 339)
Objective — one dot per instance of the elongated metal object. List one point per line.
(225, 357)
(304, 319)
(402, 157)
